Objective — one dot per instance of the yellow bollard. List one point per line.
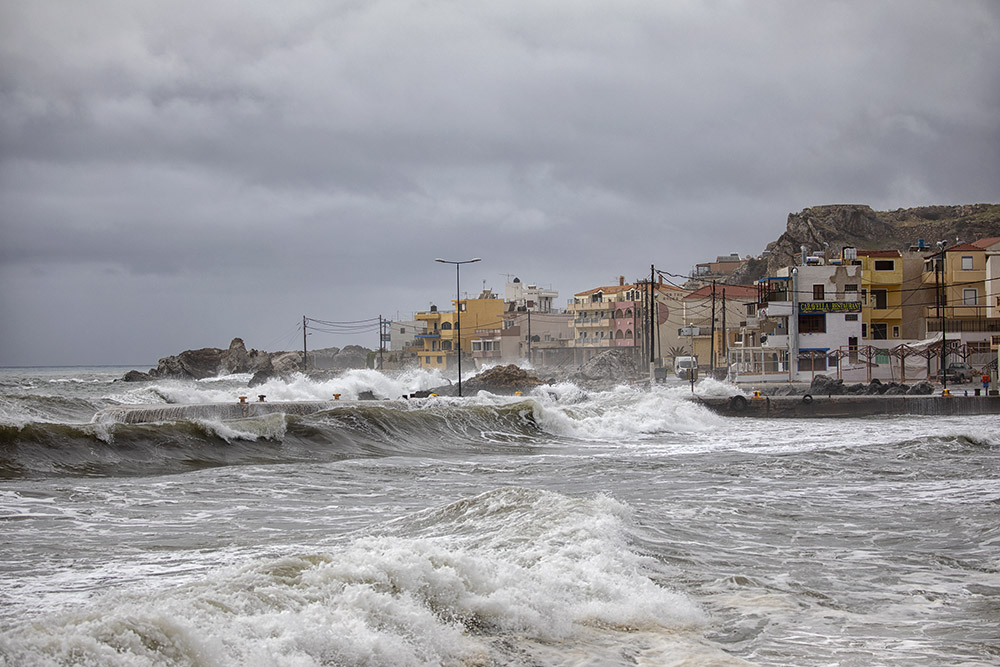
(243, 399)
(260, 398)
(946, 392)
(756, 393)
(336, 397)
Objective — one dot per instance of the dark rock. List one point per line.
(856, 389)
(261, 377)
(921, 389)
(212, 362)
(616, 365)
(823, 385)
(502, 380)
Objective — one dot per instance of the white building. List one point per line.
(812, 316)
(403, 334)
(529, 297)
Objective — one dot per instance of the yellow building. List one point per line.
(441, 338)
(881, 294)
(958, 274)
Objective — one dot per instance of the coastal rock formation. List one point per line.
(503, 380)
(830, 228)
(211, 362)
(612, 366)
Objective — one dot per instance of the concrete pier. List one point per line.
(851, 406)
(140, 414)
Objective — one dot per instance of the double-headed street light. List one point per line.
(458, 312)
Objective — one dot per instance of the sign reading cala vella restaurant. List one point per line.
(830, 307)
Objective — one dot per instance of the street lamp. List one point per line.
(458, 311)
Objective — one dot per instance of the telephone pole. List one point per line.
(711, 346)
(305, 367)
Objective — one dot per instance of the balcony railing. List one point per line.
(958, 312)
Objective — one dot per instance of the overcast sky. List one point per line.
(176, 174)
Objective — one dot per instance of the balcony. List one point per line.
(591, 342)
(956, 312)
(591, 322)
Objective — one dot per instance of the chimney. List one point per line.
(621, 281)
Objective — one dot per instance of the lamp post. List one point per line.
(458, 311)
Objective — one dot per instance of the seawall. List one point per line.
(139, 414)
(851, 406)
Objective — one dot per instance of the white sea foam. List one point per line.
(438, 588)
(622, 414)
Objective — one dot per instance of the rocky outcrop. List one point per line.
(211, 362)
(508, 380)
(830, 228)
(610, 367)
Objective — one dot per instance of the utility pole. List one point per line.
(711, 346)
(305, 366)
(652, 318)
(529, 336)
(725, 334)
(942, 313)
(381, 344)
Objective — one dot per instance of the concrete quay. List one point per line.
(141, 414)
(808, 406)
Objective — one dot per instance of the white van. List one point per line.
(686, 367)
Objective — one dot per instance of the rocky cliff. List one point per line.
(838, 225)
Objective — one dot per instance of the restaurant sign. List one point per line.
(830, 307)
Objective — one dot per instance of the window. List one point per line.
(818, 292)
(880, 299)
(895, 332)
(885, 265)
(880, 331)
(967, 263)
(812, 323)
(461, 307)
(850, 288)
(864, 330)
(851, 317)
(446, 325)
(970, 296)
(864, 297)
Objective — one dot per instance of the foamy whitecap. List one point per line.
(532, 568)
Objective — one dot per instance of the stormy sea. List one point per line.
(562, 527)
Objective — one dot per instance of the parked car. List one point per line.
(957, 372)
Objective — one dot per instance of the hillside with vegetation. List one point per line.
(832, 227)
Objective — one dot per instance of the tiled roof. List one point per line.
(880, 253)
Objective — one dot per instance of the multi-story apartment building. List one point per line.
(810, 320)
(960, 308)
(605, 317)
(441, 340)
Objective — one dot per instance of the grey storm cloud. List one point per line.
(206, 170)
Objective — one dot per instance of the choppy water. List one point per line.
(562, 528)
